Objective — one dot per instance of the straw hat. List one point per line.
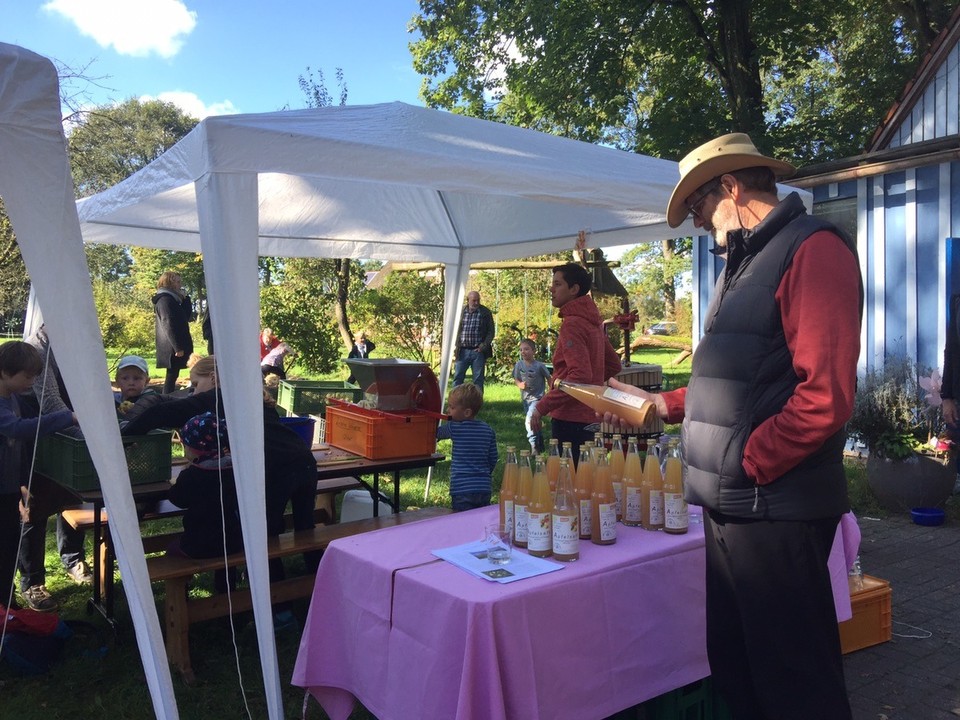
(726, 153)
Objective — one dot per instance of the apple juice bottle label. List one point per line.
(538, 532)
(566, 535)
(608, 521)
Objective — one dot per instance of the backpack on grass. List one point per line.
(31, 641)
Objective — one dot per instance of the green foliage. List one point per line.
(112, 142)
(402, 314)
(14, 283)
(126, 317)
(890, 415)
(298, 308)
(809, 80)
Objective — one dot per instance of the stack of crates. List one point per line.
(308, 398)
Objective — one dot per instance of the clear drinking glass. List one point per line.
(499, 541)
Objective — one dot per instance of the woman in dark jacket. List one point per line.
(289, 466)
(172, 312)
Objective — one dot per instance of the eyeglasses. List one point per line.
(697, 205)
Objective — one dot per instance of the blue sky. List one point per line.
(223, 56)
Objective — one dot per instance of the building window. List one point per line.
(842, 213)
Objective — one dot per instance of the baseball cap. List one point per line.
(133, 361)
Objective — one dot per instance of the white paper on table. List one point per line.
(472, 557)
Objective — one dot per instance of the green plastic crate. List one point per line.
(696, 701)
(309, 397)
(66, 459)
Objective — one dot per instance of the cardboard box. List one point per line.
(379, 435)
(871, 621)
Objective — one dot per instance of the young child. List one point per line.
(532, 377)
(199, 489)
(131, 379)
(19, 365)
(474, 449)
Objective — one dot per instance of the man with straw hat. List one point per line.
(763, 416)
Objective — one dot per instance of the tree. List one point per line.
(111, 143)
(652, 273)
(299, 309)
(660, 76)
(107, 144)
(404, 316)
(14, 283)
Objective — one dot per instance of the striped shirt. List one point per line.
(474, 455)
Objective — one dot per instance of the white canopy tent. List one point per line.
(388, 182)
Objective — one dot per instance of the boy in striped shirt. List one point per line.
(474, 452)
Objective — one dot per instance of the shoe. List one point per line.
(80, 573)
(37, 598)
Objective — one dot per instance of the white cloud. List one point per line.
(193, 105)
(131, 27)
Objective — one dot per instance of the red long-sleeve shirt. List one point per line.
(819, 300)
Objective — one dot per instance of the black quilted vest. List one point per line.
(743, 374)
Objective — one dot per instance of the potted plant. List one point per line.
(897, 416)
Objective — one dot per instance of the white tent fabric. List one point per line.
(37, 191)
(389, 182)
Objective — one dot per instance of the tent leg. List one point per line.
(426, 492)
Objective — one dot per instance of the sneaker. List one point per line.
(37, 598)
(80, 573)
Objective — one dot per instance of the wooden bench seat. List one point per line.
(180, 610)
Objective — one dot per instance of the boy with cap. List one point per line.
(131, 381)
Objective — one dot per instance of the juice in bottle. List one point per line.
(565, 519)
(521, 500)
(632, 504)
(539, 512)
(676, 518)
(553, 463)
(616, 471)
(582, 488)
(508, 487)
(652, 490)
(633, 409)
(603, 507)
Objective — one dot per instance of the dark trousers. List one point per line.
(571, 432)
(772, 636)
(170, 380)
(9, 536)
(296, 485)
(33, 548)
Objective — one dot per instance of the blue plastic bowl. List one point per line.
(927, 516)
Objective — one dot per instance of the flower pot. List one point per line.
(918, 481)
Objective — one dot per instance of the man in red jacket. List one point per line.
(583, 355)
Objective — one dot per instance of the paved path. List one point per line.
(915, 676)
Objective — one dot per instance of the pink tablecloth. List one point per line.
(414, 637)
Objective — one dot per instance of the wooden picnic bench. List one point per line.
(85, 518)
(181, 610)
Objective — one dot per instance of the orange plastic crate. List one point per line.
(871, 621)
(380, 435)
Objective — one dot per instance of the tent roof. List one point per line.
(393, 182)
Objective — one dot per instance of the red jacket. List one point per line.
(584, 355)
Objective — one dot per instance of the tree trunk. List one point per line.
(340, 309)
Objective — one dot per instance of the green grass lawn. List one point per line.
(91, 684)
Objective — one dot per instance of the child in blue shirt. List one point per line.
(474, 452)
(532, 377)
(20, 364)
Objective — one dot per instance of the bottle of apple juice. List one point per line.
(539, 514)
(565, 518)
(521, 501)
(603, 506)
